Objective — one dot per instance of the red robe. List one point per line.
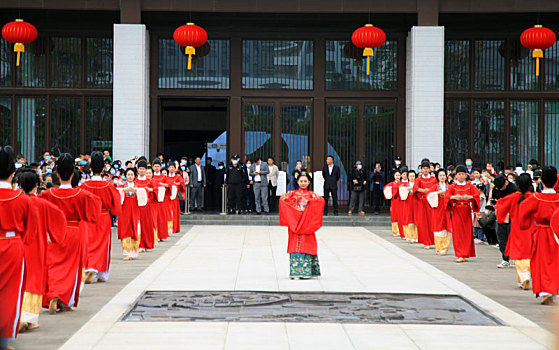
(18, 226)
(422, 215)
(393, 211)
(65, 259)
(51, 223)
(544, 263)
(461, 214)
(99, 233)
(408, 205)
(147, 226)
(161, 211)
(397, 206)
(440, 216)
(302, 221)
(129, 219)
(519, 244)
(175, 205)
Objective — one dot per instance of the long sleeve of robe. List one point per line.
(461, 214)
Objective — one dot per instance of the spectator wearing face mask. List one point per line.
(358, 180)
(469, 166)
(397, 166)
(296, 172)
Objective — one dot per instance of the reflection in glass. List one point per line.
(65, 134)
(342, 136)
(66, 62)
(31, 127)
(551, 67)
(522, 66)
(6, 56)
(5, 121)
(98, 123)
(551, 115)
(99, 62)
(295, 137)
(523, 131)
(457, 64)
(345, 73)
(489, 131)
(258, 121)
(489, 65)
(379, 136)
(456, 131)
(210, 66)
(277, 64)
(33, 69)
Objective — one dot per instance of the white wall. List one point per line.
(130, 91)
(424, 95)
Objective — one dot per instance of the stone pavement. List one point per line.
(57, 329)
(254, 258)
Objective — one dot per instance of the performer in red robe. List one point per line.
(422, 215)
(160, 184)
(519, 244)
(147, 227)
(51, 224)
(99, 233)
(388, 191)
(408, 205)
(544, 262)
(398, 205)
(18, 227)
(65, 259)
(301, 211)
(178, 181)
(129, 220)
(440, 216)
(461, 198)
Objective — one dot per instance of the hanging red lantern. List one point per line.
(19, 32)
(368, 38)
(191, 36)
(537, 39)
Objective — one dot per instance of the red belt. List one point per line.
(105, 211)
(9, 234)
(72, 223)
(542, 225)
(462, 204)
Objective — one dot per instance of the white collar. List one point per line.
(142, 178)
(65, 186)
(5, 184)
(96, 178)
(426, 177)
(461, 183)
(171, 175)
(548, 190)
(156, 173)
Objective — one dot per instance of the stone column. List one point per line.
(424, 95)
(130, 91)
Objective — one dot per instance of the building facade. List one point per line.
(278, 78)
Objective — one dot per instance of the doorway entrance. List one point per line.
(195, 128)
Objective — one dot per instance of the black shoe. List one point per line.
(335, 214)
(258, 213)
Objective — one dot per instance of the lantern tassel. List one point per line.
(190, 50)
(19, 48)
(537, 54)
(368, 52)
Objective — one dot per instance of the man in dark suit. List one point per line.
(331, 174)
(197, 184)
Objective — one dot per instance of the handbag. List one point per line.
(358, 188)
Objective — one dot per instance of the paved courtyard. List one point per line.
(241, 258)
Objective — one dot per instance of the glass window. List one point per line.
(99, 62)
(210, 66)
(523, 131)
(66, 62)
(258, 121)
(31, 127)
(5, 121)
(551, 115)
(522, 66)
(98, 123)
(277, 64)
(551, 67)
(346, 67)
(489, 65)
(457, 65)
(6, 57)
(33, 67)
(489, 132)
(379, 136)
(456, 131)
(342, 136)
(295, 136)
(65, 128)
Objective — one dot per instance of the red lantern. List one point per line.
(191, 36)
(19, 33)
(368, 38)
(537, 39)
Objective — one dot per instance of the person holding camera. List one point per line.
(358, 180)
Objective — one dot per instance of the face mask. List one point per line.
(47, 157)
(377, 167)
(235, 162)
(359, 166)
(123, 177)
(82, 162)
(116, 166)
(468, 163)
(298, 166)
(183, 167)
(220, 167)
(163, 166)
(248, 165)
(49, 171)
(113, 172)
(486, 212)
(18, 165)
(115, 181)
(397, 162)
(183, 162)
